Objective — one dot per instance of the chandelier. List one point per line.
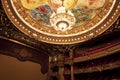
(62, 19)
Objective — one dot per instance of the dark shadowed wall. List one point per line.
(13, 69)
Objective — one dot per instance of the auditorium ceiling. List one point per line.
(62, 21)
(58, 26)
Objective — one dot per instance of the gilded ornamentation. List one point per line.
(93, 17)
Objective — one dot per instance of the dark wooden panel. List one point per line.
(24, 53)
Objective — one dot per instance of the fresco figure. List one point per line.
(83, 10)
(91, 4)
(30, 4)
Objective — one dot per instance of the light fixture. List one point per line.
(74, 22)
(62, 19)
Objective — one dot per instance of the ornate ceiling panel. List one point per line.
(91, 21)
(62, 21)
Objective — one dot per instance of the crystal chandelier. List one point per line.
(62, 19)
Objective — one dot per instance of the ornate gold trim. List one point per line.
(18, 42)
(99, 54)
(57, 39)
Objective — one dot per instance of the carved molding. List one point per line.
(24, 53)
(96, 68)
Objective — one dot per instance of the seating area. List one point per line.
(95, 50)
(93, 63)
(98, 62)
(105, 75)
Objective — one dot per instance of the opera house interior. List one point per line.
(59, 39)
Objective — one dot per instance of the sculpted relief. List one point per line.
(62, 21)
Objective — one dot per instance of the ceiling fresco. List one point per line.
(62, 21)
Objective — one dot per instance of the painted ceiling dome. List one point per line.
(62, 21)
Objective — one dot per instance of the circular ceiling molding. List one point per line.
(90, 17)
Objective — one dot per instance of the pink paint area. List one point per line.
(91, 2)
(56, 5)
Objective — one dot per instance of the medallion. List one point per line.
(62, 21)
